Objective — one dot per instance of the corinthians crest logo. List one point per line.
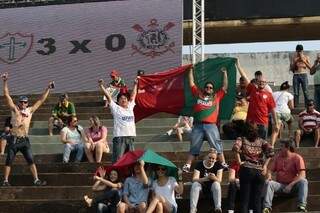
(153, 41)
(14, 47)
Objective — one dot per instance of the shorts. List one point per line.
(16, 144)
(284, 117)
(202, 131)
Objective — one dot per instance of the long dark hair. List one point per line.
(250, 132)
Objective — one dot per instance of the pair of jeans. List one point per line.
(303, 80)
(317, 96)
(201, 131)
(262, 131)
(195, 191)
(108, 201)
(68, 148)
(251, 186)
(301, 187)
(121, 145)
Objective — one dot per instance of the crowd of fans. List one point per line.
(256, 109)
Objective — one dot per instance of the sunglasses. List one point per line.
(161, 169)
(24, 102)
(75, 121)
(209, 87)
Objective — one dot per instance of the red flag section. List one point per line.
(161, 92)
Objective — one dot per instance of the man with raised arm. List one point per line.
(205, 114)
(21, 115)
(124, 127)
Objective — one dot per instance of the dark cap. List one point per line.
(285, 85)
(299, 47)
(23, 99)
(64, 96)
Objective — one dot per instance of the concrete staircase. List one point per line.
(67, 183)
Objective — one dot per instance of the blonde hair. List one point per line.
(212, 151)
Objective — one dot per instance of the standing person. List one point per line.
(73, 137)
(290, 172)
(315, 70)
(112, 189)
(205, 115)
(164, 188)
(116, 86)
(261, 103)
(6, 134)
(284, 105)
(124, 127)
(300, 64)
(251, 152)
(21, 115)
(60, 113)
(207, 177)
(135, 191)
(308, 124)
(96, 140)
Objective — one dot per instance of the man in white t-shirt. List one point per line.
(124, 128)
(284, 105)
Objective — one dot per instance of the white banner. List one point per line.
(76, 44)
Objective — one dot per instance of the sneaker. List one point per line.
(169, 132)
(218, 210)
(186, 168)
(39, 183)
(225, 166)
(6, 183)
(266, 210)
(302, 208)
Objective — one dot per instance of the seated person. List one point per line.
(60, 113)
(184, 125)
(135, 191)
(308, 124)
(111, 197)
(284, 105)
(290, 176)
(96, 140)
(234, 129)
(164, 189)
(73, 137)
(207, 177)
(116, 86)
(6, 133)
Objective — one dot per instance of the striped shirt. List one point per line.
(310, 120)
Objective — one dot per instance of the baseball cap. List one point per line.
(64, 96)
(23, 99)
(114, 73)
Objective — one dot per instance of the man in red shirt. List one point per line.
(205, 115)
(290, 176)
(261, 103)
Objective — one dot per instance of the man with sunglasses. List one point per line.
(308, 124)
(21, 115)
(205, 114)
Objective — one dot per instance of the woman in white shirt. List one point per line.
(164, 188)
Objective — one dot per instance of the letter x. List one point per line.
(80, 46)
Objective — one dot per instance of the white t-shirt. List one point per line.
(73, 134)
(281, 98)
(123, 120)
(167, 191)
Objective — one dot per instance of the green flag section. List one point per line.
(169, 91)
(125, 163)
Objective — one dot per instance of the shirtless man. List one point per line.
(21, 115)
(300, 65)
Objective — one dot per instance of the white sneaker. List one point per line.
(186, 168)
(169, 132)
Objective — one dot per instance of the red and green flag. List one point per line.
(169, 91)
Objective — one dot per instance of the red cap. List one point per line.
(114, 73)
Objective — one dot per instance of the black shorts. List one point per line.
(16, 144)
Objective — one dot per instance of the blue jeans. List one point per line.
(262, 131)
(301, 187)
(317, 96)
(303, 80)
(68, 148)
(121, 145)
(202, 131)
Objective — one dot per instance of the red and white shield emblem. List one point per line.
(14, 47)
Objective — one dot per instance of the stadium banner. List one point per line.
(76, 44)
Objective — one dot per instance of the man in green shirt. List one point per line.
(315, 69)
(60, 113)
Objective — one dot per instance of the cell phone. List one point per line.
(52, 85)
